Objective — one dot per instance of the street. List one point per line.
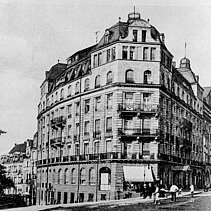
(201, 202)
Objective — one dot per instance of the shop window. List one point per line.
(92, 176)
(83, 176)
(105, 178)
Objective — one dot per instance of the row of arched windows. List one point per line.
(71, 177)
(129, 76)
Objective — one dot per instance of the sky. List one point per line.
(35, 34)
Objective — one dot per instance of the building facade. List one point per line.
(21, 168)
(117, 107)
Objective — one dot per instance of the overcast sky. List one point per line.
(35, 34)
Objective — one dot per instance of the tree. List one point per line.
(5, 182)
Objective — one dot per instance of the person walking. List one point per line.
(156, 195)
(192, 192)
(173, 190)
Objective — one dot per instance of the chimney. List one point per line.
(197, 78)
(162, 37)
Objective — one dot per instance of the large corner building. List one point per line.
(121, 112)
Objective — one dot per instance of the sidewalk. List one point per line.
(121, 202)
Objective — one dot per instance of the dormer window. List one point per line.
(144, 33)
(135, 35)
(107, 36)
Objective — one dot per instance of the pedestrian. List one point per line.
(192, 192)
(156, 195)
(145, 191)
(173, 191)
(150, 190)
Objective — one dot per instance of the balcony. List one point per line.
(97, 134)
(58, 122)
(56, 142)
(185, 124)
(141, 109)
(134, 133)
(184, 142)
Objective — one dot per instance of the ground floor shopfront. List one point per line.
(110, 179)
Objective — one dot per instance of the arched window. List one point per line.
(183, 95)
(129, 76)
(83, 176)
(62, 94)
(77, 88)
(91, 176)
(147, 77)
(59, 176)
(86, 85)
(105, 178)
(65, 176)
(109, 78)
(69, 91)
(73, 176)
(97, 81)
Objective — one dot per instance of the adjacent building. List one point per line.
(119, 113)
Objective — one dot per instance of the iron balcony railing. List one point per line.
(58, 121)
(138, 107)
(137, 132)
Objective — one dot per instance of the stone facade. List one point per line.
(121, 102)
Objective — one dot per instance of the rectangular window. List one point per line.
(108, 146)
(86, 148)
(77, 128)
(86, 128)
(69, 111)
(144, 33)
(108, 57)
(97, 125)
(109, 101)
(145, 53)
(113, 53)
(77, 149)
(77, 108)
(69, 131)
(99, 58)
(132, 53)
(96, 147)
(128, 100)
(109, 124)
(146, 149)
(146, 126)
(97, 103)
(95, 60)
(135, 35)
(124, 52)
(152, 54)
(87, 106)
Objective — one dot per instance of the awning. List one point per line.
(181, 168)
(138, 174)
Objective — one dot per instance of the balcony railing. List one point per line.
(138, 107)
(56, 142)
(96, 134)
(186, 124)
(58, 122)
(137, 132)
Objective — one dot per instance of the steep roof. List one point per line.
(18, 148)
(55, 71)
(206, 90)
